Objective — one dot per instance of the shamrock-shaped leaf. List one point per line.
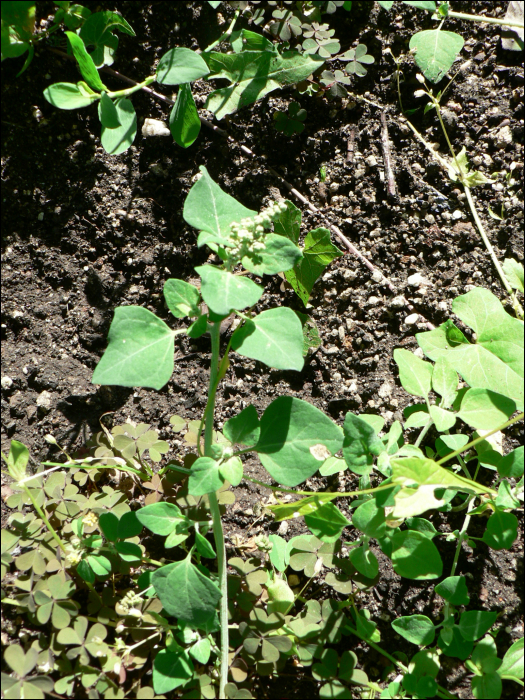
(291, 123)
(357, 58)
(84, 643)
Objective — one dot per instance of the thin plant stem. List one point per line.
(515, 303)
(44, 518)
(517, 307)
(442, 693)
(336, 494)
(218, 533)
(425, 430)
(481, 438)
(488, 20)
(226, 34)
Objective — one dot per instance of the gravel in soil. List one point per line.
(84, 232)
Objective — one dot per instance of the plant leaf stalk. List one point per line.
(218, 533)
(488, 20)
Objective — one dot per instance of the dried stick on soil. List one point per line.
(389, 173)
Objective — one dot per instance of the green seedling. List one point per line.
(254, 69)
(435, 50)
(459, 171)
(291, 123)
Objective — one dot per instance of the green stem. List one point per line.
(515, 303)
(475, 216)
(215, 510)
(442, 693)
(480, 439)
(487, 20)
(131, 90)
(337, 494)
(226, 34)
(44, 518)
(425, 430)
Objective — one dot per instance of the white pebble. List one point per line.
(7, 382)
(412, 319)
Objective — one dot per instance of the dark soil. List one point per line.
(84, 232)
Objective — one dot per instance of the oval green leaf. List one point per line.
(295, 440)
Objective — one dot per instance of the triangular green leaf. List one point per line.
(274, 337)
(140, 350)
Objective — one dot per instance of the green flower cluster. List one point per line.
(246, 237)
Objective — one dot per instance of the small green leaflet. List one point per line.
(279, 255)
(162, 518)
(140, 350)
(85, 62)
(417, 629)
(484, 409)
(182, 298)
(318, 253)
(360, 445)
(415, 374)
(70, 96)
(414, 556)
(184, 119)
(179, 66)
(296, 438)
(205, 477)
(244, 427)
(186, 593)
(119, 139)
(514, 273)
(171, 670)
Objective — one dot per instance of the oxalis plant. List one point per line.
(208, 631)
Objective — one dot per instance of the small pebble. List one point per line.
(417, 280)
(456, 214)
(412, 319)
(397, 302)
(43, 401)
(7, 382)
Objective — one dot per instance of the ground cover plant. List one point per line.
(293, 440)
(114, 609)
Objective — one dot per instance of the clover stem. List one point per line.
(44, 518)
(214, 508)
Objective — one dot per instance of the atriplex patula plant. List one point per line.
(184, 612)
(255, 68)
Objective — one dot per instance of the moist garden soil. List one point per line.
(84, 232)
